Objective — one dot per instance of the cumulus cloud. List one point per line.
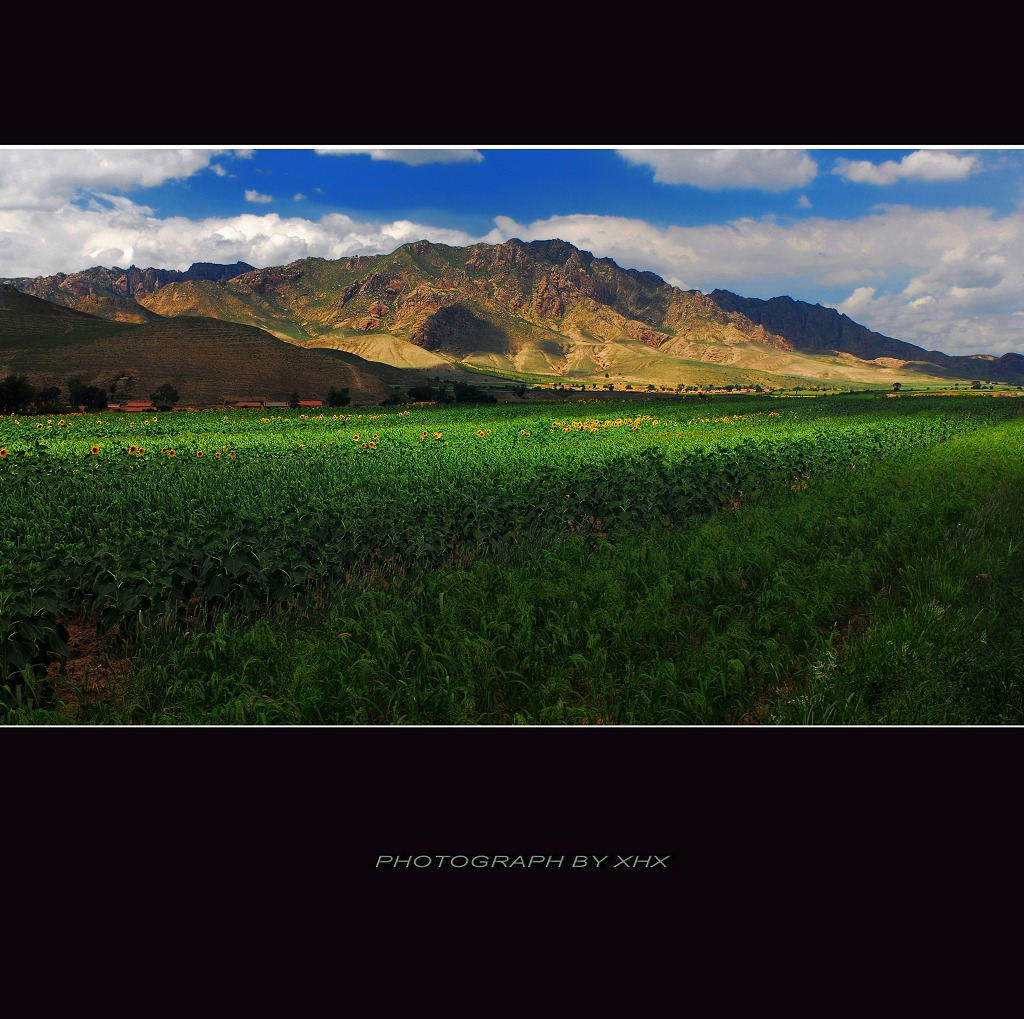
(411, 157)
(860, 298)
(252, 195)
(714, 169)
(40, 243)
(925, 164)
(44, 178)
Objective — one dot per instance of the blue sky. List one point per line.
(923, 244)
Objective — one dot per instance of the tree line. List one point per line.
(19, 396)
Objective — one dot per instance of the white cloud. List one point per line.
(714, 169)
(860, 298)
(925, 164)
(45, 178)
(411, 157)
(252, 195)
(177, 242)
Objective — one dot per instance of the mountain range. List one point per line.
(540, 311)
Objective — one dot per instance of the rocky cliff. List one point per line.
(75, 289)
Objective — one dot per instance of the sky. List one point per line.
(923, 244)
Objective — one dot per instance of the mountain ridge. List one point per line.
(521, 309)
(115, 282)
(791, 317)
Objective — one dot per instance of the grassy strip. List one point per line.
(891, 595)
(946, 646)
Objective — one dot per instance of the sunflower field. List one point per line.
(666, 562)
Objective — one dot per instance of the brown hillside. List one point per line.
(116, 309)
(205, 360)
(206, 299)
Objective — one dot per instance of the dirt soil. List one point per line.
(92, 672)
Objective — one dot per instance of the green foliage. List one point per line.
(472, 394)
(48, 397)
(32, 637)
(634, 562)
(425, 394)
(164, 397)
(15, 393)
(81, 394)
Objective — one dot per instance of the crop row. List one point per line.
(185, 515)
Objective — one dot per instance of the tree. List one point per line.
(48, 397)
(81, 394)
(293, 400)
(422, 394)
(164, 397)
(15, 393)
(897, 386)
(471, 394)
(338, 397)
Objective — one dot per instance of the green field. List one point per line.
(850, 559)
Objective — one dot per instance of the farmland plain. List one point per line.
(851, 559)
